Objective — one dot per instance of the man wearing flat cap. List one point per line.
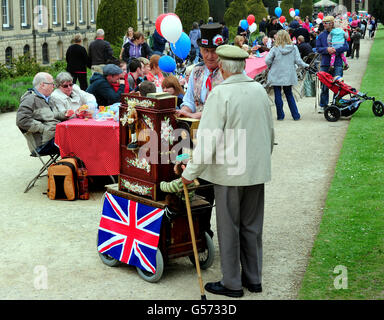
(101, 85)
(326, 50)
(233, 151)
(205, 75)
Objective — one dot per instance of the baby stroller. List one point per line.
(345, 107)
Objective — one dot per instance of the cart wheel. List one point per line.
(153, 277)
(205, 258)
(332, 113)
(108, 260)
(378, 108)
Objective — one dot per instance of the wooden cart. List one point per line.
(175, 239)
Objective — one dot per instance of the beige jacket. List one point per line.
(235, 136)
(76, 100)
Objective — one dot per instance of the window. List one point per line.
(165, 6)
(92, 10)
(55, 19)
(45, 53)
(8, 56)
(155, 9)
(138, 10)
(81, 17)
(40, 12)
(145, 10)
(5, 13)
(68, 11)
(23, 13)
(26, 50)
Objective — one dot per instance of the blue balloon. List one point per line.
(182, 47)
(167, 64)
(297, 12)
(278, 11)
(244, 24)
(310, 25)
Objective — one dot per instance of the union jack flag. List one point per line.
(129, 232)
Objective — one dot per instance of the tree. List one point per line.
(115, 17)
(271, 5)
(191, 11)
(217, 10)
(306, 9)
(285, 5)
(377, 10)
(256, 7)
(237, 11)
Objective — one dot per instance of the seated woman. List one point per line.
(135, 48)
(172, 86)
(155, 74)
(69, 96)
(239, 41)
(265, 46)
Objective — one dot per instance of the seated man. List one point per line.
(101, 85)
(37, 116)
(69, 95)
(146, 87)
(304, 47)
(135, 72)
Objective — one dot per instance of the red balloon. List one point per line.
(282, 19)
(158, 22)
(291, 9)
(320, 15)
(348, 14)
(251, 19)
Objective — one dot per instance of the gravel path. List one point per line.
(59, 238)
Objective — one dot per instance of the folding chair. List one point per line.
(46, 163)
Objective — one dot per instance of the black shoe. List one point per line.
(218, 288)
(251, 286)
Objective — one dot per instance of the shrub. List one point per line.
(256, 7)
(115, 17)
(306, 9)
(237, 11)
(191, 11)
(26, 66)
(285, 5)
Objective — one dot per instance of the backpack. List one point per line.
(68, 179)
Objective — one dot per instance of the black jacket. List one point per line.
(99, 52)
(77, 58)
(301, 32)
(144, 52)
(304, 49)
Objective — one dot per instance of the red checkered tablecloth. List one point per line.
(94, 142)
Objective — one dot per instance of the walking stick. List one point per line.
(190, 221)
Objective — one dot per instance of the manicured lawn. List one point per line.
(352, 229)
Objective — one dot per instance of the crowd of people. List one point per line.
(215, 90)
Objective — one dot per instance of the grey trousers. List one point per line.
(239, 220)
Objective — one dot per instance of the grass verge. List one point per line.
(347, 259)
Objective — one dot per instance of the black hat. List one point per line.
(211, 35)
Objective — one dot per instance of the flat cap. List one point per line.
(329, 19)
(111, 69)
(229, 52)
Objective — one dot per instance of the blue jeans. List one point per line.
(48, 148)
(291, 102)
(324, 96)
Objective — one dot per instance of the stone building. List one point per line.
(45, 28)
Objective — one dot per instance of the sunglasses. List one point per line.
(67, 85)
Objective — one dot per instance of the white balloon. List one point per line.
(252, 27)
(171, 28)
(292, 13)
(318, 21)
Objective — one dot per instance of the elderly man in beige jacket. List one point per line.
(233, 151)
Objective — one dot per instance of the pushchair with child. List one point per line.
(342, 106)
